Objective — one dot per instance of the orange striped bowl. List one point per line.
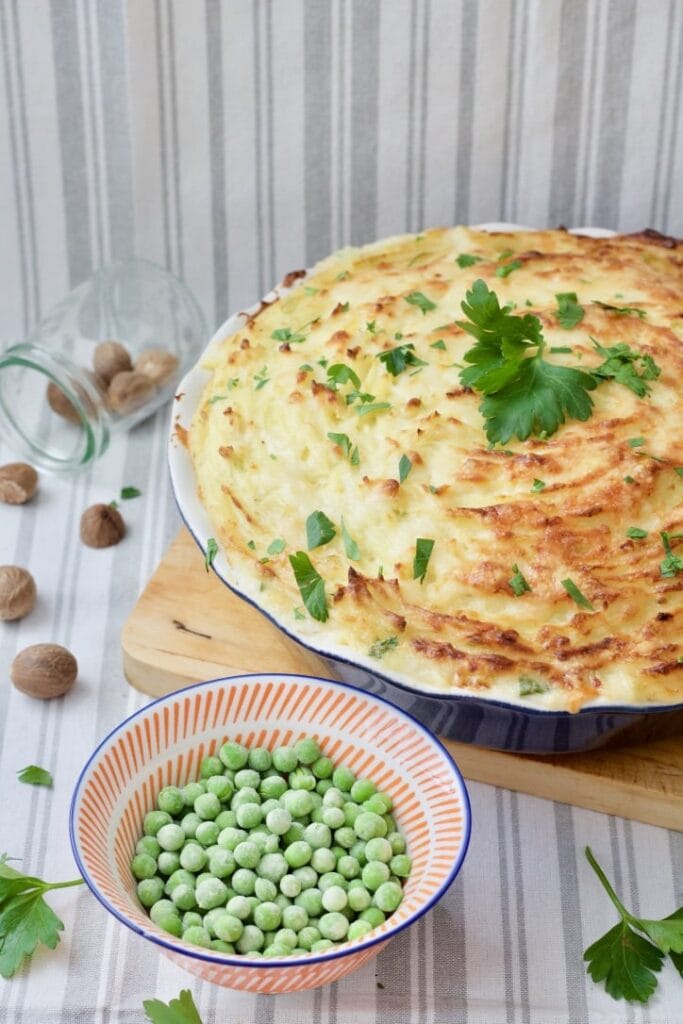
(164, 743)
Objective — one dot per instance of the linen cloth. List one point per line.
(232, 142)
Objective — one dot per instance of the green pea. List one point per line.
(226, 819)
(317, 835)
(267, 916)
(380, 803)
(359, 898)
(207, 833)
(348, 866)
(243, 881)
(222, 862)
(210, 918)
(388, 897)
(285, 759)
(343, 778)
(323, 785)
(345, 837)
(279, 821)
(362, 789)
(230, 837)
(400, 865)
(290, 886)
(294, 833)
(191, 791)
(247, 778)
(357, 929)
(298, 853)
(259, 759)
(246, 795)
(351, 812)
(170, 799)
(333, 817)
(179, 877)
(160, 909)
(302, 778)
(154, 821)
(223, 947)
(286, 937)
(197, 936)
(378, 849)
(233, 755)
(193, 857)
(149, 845)
(272, 787)
(334, 898)
(190, 823)
(220, 786)
(374, 874)
(240, 907)
(323, 860)
(168, 862)
(307, 876)
(150, 891)
(143, 866)
(192, 919)
(311, 900)
(251, 939)
(183, 897)
(211, 766)
(273, 866)
(228, 927)
(368, 825)
(331, 878)
(211, 893)
(334, 926)
(298, 802)
(265, 890)
(171, 923)
(333, 797)
(322, 767)
(322, 945)
(374, 915)
(170, 837)
(247, 854)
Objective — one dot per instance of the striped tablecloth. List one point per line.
(505, 944)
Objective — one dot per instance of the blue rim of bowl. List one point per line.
(243, 960)
(634, 710)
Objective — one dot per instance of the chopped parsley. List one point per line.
(371, 327)
(343, 276)
(636, 442)
(421, 301)
(261, 378)
(507, 268)
(298, 614)
(537, 486)
(340, 373)
(621, 310)
(286, 334)
(440, 344)
(130, 492)
(423, 552)
(629, 480)
(364, 410)
(397, 359)
(310, 290)
(350, 450)
(251, 545)
(217, 398)
(517, 582)
(380, 647)
(350, 547)
(311, 586)
(404, 468)
(277, 546)
(621, 365)
(678, 470)
(211, 552)
(528, 686)
(635, 533)
(467, 259)
(319, 530)
(34, 775)
(569, 312)
(576, 595)
(671, 565)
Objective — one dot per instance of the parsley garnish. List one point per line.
(343, 276)
(507, 268)
(623, 959)
(286, 334)
(538, 485)
(576, 595)
(636, 442)
(298, 614)
(440, 344)
(629, 480)
(518, 583)
(251, 545)
(679, 470)
(350, 547)
(621, 310)
(404, 468)
(363, 410)
(339, 374)
(261, 378)
(319, 530)
(423, 552)
(397, 359)
(620, 365)
(211, 552)
(311, 585)
(344, 442)
(35, 776)
(421, 301)
(671, 565)
(467, 259)
(179, 1011)
(277, 546)
(371, 327)
(528, 686)
(569, 312)
(524, 394)
(636, 533)
(310, 290)
(306, 367)
(130, 492)
(380, 647)
(25, 918)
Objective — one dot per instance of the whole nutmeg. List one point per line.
(44, 671)
(158, 364)
(129, 390)
(102, 526)
(110, 358)
(18, 482)
(17, 592)
(60, 404)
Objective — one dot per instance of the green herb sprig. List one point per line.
(179, 1011)
(34, 775)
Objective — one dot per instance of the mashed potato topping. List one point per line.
(367, 348)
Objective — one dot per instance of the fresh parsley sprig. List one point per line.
(179, 1011)
(311, 585)
(34, 775)
(623, 959)
(25, 918)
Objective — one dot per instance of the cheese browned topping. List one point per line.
(264, 463)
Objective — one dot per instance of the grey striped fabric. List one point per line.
(232, 142)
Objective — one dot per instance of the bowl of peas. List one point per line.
(269, 833)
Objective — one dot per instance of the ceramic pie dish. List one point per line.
(462, 683)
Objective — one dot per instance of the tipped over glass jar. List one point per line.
(105, 357)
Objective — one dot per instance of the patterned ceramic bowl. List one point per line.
(164, 743)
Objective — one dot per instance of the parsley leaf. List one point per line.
(350, 451)
(287, 334)
(319, 530)
(576, 595)
(211, 552)
(404, 468)
(636, 442)
(621, 310)
(311, 585)
(678, 470)
(25, 917)
(363, 410)
(440, 344)
(277, 546)
(371, 326)
(130, 492)
(340, 373)
(380, 647)
(298, 614)
(671, 565)
(35, 776)
(423, 552)
(620, 365)
(466, 259)
(421, 301)
(528, 686)
(569, 312)
(397, 359)
(507, 268)
(623, 959)
(261, 378)
(635, 533)
(350, 547)
(179, 1011)
(518, 583)
(537, 486)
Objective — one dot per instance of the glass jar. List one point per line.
(63, 394)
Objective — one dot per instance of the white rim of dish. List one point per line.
(197, 521)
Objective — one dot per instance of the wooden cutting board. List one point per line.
(188, 627)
